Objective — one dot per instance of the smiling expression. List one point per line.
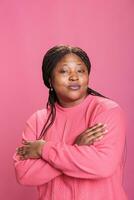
(70, 80)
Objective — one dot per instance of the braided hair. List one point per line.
(50, 60)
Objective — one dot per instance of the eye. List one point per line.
(81, 71)
(63, 71)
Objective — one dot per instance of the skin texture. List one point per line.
(30, 149)
(69, 71)
(70, 81)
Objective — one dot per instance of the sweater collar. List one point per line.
(75, 107)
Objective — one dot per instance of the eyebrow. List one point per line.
(66, 64)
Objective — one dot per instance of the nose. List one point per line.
(73, 77)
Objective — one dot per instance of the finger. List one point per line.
(19, 149)
(99, 138)
(91, 135)
(95, 127)
(25, 142)
(89, 141)
(103, 131)
(24, 157)
(23, 150)
(94, 132)
(100, 133)
(21, 153)
(25, 154)
(94, 136)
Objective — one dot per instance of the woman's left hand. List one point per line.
(30, 149)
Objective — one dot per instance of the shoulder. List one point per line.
(35, 121)
(38, 115)
(106, 108)
(41, 113)
(105, 104)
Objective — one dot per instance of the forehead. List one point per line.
(70, 58)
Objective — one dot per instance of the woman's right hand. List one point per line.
(92, 134)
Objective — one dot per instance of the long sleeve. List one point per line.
(33, 171)
(96, 161)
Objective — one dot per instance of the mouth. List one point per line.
(74, 87)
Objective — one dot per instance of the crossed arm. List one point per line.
(81, 161)
(33, 171)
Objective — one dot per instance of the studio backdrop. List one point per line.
(28, 28)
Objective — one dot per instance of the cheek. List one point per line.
(85, 80)
(59, 81)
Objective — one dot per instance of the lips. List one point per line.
(74, 86)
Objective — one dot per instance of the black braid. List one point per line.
(51, 58)
(94, 93)
(51, 117)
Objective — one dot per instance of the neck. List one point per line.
(72, 103)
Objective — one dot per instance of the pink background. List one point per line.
(104, 29)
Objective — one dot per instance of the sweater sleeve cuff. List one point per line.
(46, 149)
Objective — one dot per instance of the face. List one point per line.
(70, 80)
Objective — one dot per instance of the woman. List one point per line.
(74, 148)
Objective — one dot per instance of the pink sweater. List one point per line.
(72, 172)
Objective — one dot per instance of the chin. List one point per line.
(75, 97)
